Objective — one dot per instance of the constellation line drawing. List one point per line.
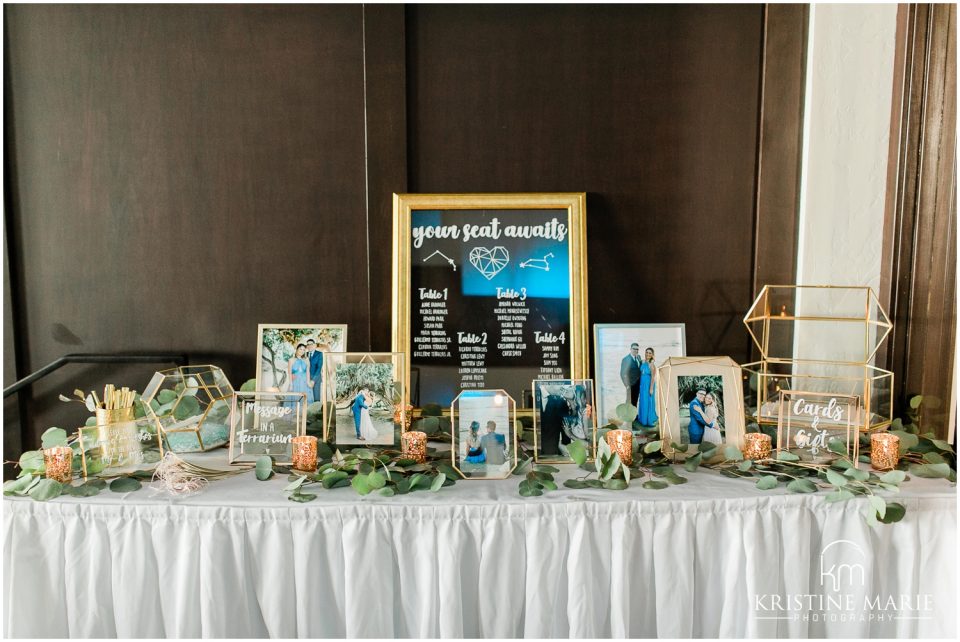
(448, 259)
(538, 264)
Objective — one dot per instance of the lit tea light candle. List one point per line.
(884, 451)
(621, 442)
(757, 446)
(414, 444)
(58, 462)
(305, 453)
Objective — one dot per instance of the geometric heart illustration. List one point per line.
(489, 261)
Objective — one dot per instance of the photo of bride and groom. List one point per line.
(364, 412)
(701, 409)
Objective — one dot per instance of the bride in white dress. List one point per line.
(367, 431)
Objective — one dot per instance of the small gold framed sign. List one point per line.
(265, 423)
(817, 426)
(563, 412)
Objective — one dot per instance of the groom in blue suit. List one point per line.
(359, 403)
(316, 369)
(697, 425)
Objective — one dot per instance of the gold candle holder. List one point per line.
(757, 446)
(305, 453)
(884, 451)
(58, 463)
(621, 442)
(414, 444)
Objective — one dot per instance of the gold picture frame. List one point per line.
(484, 407)
(588, 416)
(375, 376)
(574, 206)
(670, 398)
(312, 328)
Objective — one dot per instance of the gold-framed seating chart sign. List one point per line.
(819, 427)
(489, 291)
(484, 434)
(118, 447)
(699, 399)
(265, 423)
(564, 411)
(365, 403)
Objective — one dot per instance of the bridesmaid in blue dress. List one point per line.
(298, 371)
(646, 403)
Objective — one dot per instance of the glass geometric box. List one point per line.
(191, 407)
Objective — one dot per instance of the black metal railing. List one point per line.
(178, 359)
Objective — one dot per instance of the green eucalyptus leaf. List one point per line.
(594, 483)
(575, 483)
(857, 474)
(652, 446)
(915, 402)
(437, 482)
(654, 484)
(942, 445)
(296, 484)
(32, 461)
(610, 467)
(802, 486)
(879, 505)
(125, 485)
(767, 482)
(387, 491)
(20, 485)
(165, 396)
(841, 495)
(732, 453)
(691, 463)
(331, 477)
(619, 484)
(894, 513)
(81, 490)
(45, 489)
(934, 458)
(522, 466)
(930, 471)
(96, 483)
(836, 478)
(863, 459)
(707, 448)
(264, 468)
(784, 455)
(301, 497)
(907, 440)
(361, 485)
(626, 413)
(837, 446)
(745, 465)
(53, 437)
(548, 485)
(680, 448)
(674, 478)
(578, 452)
(542, 468)
(626, 473)
(187, 407)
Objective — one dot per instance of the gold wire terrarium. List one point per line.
(819, 339)
(191, 407)
(484, 435)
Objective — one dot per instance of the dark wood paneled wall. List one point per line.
(180, 173)
(920, 236)
(651, 110)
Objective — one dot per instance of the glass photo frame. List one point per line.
(626, 356)
(564, 410)
(265, 423)
(366, 402)
(809, 421)
(483, 434)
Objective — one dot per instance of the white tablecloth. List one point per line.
(703, 559)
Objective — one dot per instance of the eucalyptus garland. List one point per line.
(386, 473)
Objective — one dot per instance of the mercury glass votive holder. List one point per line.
(884, 451)
(757, 446)
(305, 453)
(414, 445)
(58, 462)
(621, 442)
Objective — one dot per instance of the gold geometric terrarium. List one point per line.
(821, 339)
(191, 407)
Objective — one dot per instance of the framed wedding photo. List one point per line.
(564, 412)
(366, 402)
(626, 356)
(290, 357)
(699, 399)
(489, 291)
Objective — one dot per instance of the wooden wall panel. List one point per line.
(652, 110)
(183, 173)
